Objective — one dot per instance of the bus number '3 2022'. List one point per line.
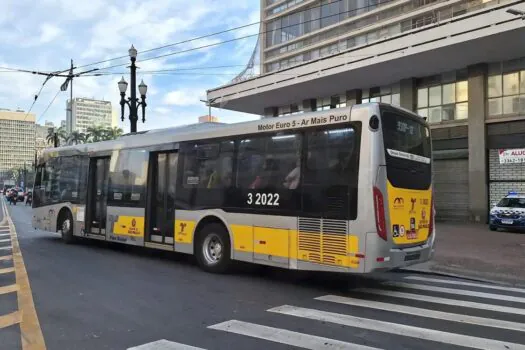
(264, 199)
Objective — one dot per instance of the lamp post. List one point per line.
(208, 103)
(133, 102)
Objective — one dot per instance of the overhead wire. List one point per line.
(221, 42)
(48, 106)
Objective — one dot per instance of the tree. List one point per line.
(50, 136)
(114, 133)
(76, 137)
(95, 133)
(100, 133)
(61, 133)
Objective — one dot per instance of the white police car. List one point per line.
(509, 213)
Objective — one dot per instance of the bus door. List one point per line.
(161, 209)
(97, 196)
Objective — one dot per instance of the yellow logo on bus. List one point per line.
(409, 214)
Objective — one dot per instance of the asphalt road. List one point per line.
(95, 295)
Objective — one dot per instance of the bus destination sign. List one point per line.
(313, 121)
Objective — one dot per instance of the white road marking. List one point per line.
(463, 283)
(6, 248)
(164, 344)
(445, 301)
(5, 234)
(5, 240)
(398, 329)
(456, 291)
(7, 270)
(287, 337)
(415, 311)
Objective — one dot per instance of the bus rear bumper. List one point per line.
(394, 258)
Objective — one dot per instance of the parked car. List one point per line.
(508, 213)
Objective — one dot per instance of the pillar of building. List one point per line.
(309, 105)
(270, 112)
(478, 189)
(354, 97)
(408, 94)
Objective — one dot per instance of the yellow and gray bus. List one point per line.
(344, 190)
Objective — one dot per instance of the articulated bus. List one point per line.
(343, 190)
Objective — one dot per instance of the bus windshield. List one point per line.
(407, 149)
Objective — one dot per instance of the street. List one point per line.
(93, 295)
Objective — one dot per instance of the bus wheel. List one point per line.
(66, 227)
(213, 248)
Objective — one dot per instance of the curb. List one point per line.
(462, 274)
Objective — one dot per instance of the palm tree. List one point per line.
(50, 135)
(61, 133)
(114, 133)
(95, 133)
(76, 137)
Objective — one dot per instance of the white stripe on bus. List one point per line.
(444, 301)
(468, 293)
(468, 284)
(287, 337)
(415, 311)
(398, 329)
(164, 344)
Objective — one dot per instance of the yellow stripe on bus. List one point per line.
(285, 243)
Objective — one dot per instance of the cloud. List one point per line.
(48, 32)
(185, 97)
(100, 30)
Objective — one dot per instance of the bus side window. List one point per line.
(330, 173)
(269, 162)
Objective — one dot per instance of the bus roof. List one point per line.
(198, 131)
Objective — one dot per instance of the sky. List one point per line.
(45, 35)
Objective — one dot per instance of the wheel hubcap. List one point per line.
(66, 225)
(212, 249)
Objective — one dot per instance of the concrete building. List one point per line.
(17, 140)
(461, 63)
(88, 112)
(41, 132)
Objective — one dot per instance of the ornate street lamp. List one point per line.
(133, 102)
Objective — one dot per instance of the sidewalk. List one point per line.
(473, 250)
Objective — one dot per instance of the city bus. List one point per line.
(344, 190)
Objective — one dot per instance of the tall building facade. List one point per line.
(84, 112)
(460, 63)
(17, 140)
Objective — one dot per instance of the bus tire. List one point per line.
(66, 226)
(213, 248)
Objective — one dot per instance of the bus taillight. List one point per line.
(379, 210)
(431, 222)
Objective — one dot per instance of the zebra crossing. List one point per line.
(419, 308)
(10, 317)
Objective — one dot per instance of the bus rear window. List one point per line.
(407, 150)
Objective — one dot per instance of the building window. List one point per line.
(443, 102)
(506, 93)
(386, 94)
